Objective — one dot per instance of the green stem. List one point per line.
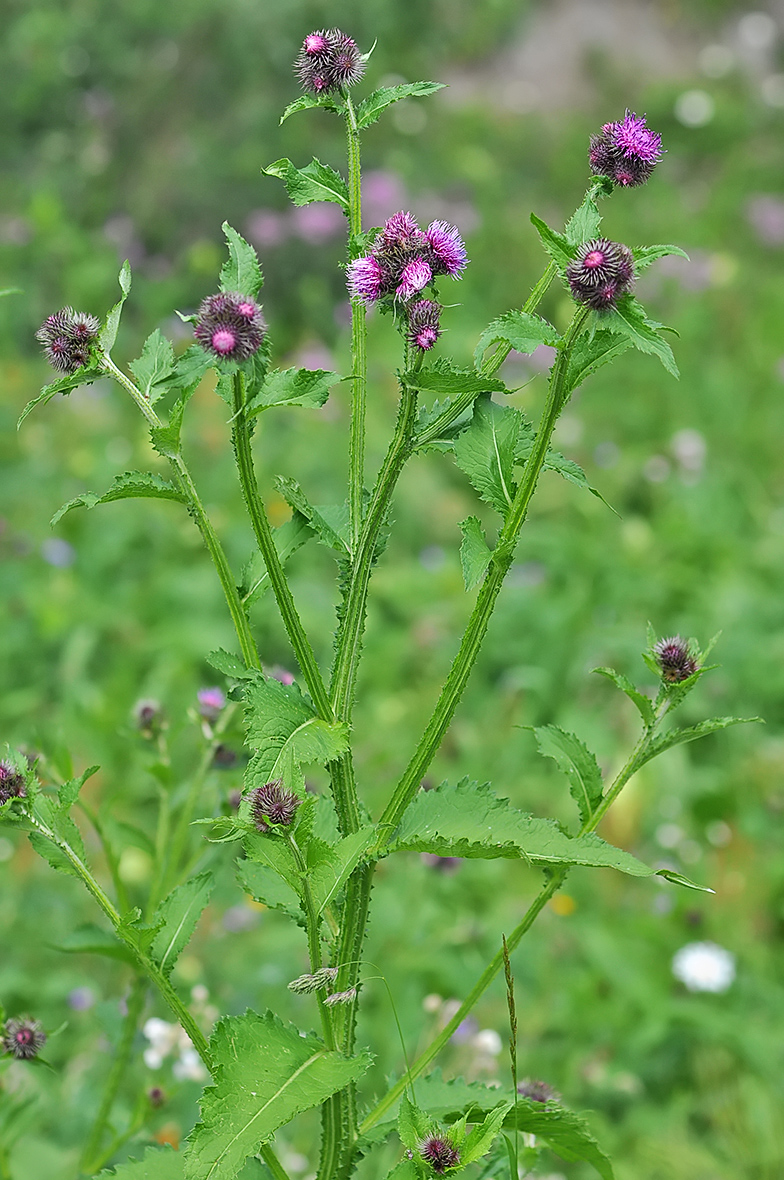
(356, 453)
(161, 849)
(112, 860)
(273, 1163)
(141, 401)
(261, 527)
(486, 599)
(312, 927)
(90, 1160)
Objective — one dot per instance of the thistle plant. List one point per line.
(313, 856)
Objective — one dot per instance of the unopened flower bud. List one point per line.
(23, 1038)
(600, 273)
(273, 804)
(329, 60)
(537, 1091)
(12, 783)
(230, 326)
(156, 1097)
(148, 715)
(626, 152)
(67, 337)
(212, 702)
(440, 1153)
(675, 658)
(424, 324)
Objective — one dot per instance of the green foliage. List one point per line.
(591, 351)
(89, 939)
(689, 733)
(475, 554)
(156, 1165)
(578, 764)
(585, 221)
(242, 271)
(445, 378)
(520, 330)
(371, 108)
(83, 376)
(267, 886)
(128, 486)
(486, 451)
(643, 703)
(315, 182)
(628, 319)
(265, 1073)
(334, 532)
(108, 333)
(293, 387)
(284, 731)
(307, 102)
(155, 368)
(645, 255)
(288, 537)
(176, 917)
(558, 246)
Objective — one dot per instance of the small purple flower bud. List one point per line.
(347, 65)
(437, 1151)
(316, 44)
(67, 336)
(329, 60)
(626, 152)
(365, 278)
(537, 1091)
(212, 702)
(230, 326)
(675, 658)
(12, 783)
(156, 1097)
(273, 803)
(601, 272)
(279, 673)
(24, 1038)
(414, 276)
(448, 253)
(424, 324)
(148, 715)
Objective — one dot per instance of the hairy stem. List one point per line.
(267, 1153)
(356, 453)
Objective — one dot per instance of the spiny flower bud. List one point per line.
(12, 783)
(537, 1091)
(345, 997)
(273, 803)
(437, 1151)
(329, 60)
(404, 260)
(676, 659)
(24, 1038)
(626, 152)
(600, 273)
(212, 702)
(311, 983)
(230, 326)
(424, 323)
(67, 336)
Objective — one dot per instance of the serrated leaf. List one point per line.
(242, 271)
(520, 330)
(644, 704)
(578, 764)
(404, 1170)
(554, 461)
(479, 1141)
(486, 449)
(372, 107)
(645, 255)
(590, 352)
(557, 245)
(108, 333)
(628, 319)
(316, 182)
(84, 376)
(155, 367)
(329, 876)
(475, 554)
(266, 886)
(190, 368)
(438, 425)
(444, 378)
(690, 733)
(276, 856)
(90, 939)
(68, 792)
(52, 853)
(294, 496)
(282, 726)
(129, 485)
(288, 537)
(156, 1164)
(176, 919)
(306, 102)
(413, 1124)
(265, 1073)
(293, 387)
(230, 665)
(584, 222)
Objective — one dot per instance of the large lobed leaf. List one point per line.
(241, 272)
(372, 107)
(131, 485)
(315, 182)
(176, 918)
(486, 451)
(265, 1073)
(520, 330)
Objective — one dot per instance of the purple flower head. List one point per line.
(365, 279)
(626, 152)
(423, 323)
(348, 65)
(329, 60)
(24, 1038)
(415, 275)
(600, 273)
(440, 1153)
(537, 1091)
(148, 715)
(273, 803)
(676, 659)
(212, 702)
(67, 336)
(12, 783)
(401, 235)
(230, 326)
(316, 44)
(156, 1097)
(447, 251)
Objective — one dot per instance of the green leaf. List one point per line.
(557, 245)
(283, 728)
(90, 939)
(413, 1124)
(156, 1165)
(554, 461)
(83, 376)
(316, 182)
(691, 733)
(485, 451)
(371, 108)
(445, 378)
(406, 1169)
(306, 102)
(584, 222)
(480, 1139)
(68, 792)
(265, 885)
(176, 919)
(520, 330)
(155, 367)
(293, 387)
(129, 485)
(578, 764)
(645, 255)
(475, 555)
(330, 875)
(190, 368)
(230, 665)
(644, 704)
(108, 333)
(241, 272)
(265, 1074)
(590, 352)
(293, 494)
(288, 537)
(438, 425)
(628, 319)
(276, 857)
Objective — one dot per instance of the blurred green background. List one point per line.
(133, 130)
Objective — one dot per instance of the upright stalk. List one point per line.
(356, 452)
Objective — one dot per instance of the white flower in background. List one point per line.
(166, 1039)
(704, 967)
(488, 1041)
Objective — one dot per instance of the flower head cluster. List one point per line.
(329, 60)
(23, 1038)
(230, 326)
(12, 783)
(676, 659)
(600, 273)
(626, 152)
(273, 804)
(440, 1153)
(67, 336)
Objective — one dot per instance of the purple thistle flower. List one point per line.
(676, 659)
(365, 279)
(448, 253)
(316, 44)
(67, 336)
(148, 715)
(414, 276)
(635, 139)
(437, 1151)
(273, 803)
(423, 324)
(401, 234)
(12, 783)
(626, 152)
(156, 1097)
(347, 65)
(230, 326)
(212, 702)
(328, 60)
(24, 1038)
(537, 1091)
(600, 273)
